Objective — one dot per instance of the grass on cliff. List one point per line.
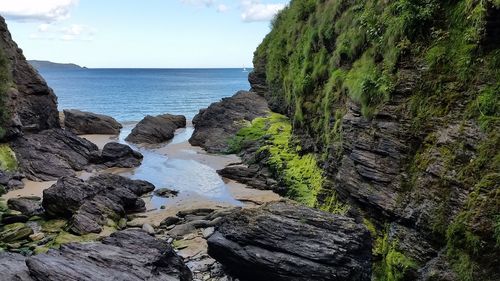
(320, 54)
(299, 173)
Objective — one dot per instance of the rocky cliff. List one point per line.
(400, 102)
(27, 104)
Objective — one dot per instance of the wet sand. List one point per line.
(31, 188)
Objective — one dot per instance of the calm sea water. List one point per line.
(131, 94)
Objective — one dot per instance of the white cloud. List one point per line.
(255, 10)
(222, 8)
(74, 32)
(36, 10)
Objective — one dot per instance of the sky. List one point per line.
(141, 33)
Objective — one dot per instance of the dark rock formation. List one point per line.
(120, 155)
(28, 206)
(156, 129)
(31, 103)
(54, 153)
(90, 123)
(89, 205)
(11, 180)
(217, 124)
(282, 241)
(130, 255)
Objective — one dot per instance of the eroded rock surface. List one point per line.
(284, 241)
(217, 124)
(28, 206)
(82, 123)
(126, 255)
(156, 129)
(90, 204)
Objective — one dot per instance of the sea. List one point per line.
(129, 95)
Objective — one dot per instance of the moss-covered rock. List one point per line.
(8, 160)
(401, 100)
(15, 232)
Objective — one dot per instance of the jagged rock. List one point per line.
(54, 153)
(15, 232)
(120, 155)
(82, 123)
(249, 175)
(284, 241)
(130, 255)
(216, 125)
(437, 269)
(165, 192)
(12, 217)
(170, 221)
(29, 206)
(11, 180)
(156, 129)
(89, 205)
(31, 103)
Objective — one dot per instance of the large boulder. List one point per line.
(130, 255)
(156, 129)
(120, 155)
(216, 125)
(53, 153)
(81, 123)
(31, 103)
(91, 204)
(285, 241)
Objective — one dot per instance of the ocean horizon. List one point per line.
(129, 94)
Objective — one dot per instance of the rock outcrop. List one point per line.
(11, 180)
(217, 124)
(91, 204)
(130, 255)
(156, 129)
(31, 104)
(282, 241)
(82, 123)
(57, 153)
(120, 155)
(53, 153)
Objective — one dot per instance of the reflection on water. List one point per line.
(188, 176)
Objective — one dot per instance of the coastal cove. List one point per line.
(363, 145)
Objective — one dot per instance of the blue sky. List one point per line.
(141, 33)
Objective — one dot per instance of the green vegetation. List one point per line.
(4, 85)
(299, 173)
(393, 265)
(8, 160)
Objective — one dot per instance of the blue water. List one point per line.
(131, 94)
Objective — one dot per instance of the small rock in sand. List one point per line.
(148, 228)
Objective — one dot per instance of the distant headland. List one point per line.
(41, 64)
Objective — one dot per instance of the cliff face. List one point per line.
(400, 101)
(27, 103)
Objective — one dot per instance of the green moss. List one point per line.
(65, 237)
(7, 158)
(394, 265)
(53, 226)
(299, 173)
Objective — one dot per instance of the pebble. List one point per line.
(148, 228)
(37, 236)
